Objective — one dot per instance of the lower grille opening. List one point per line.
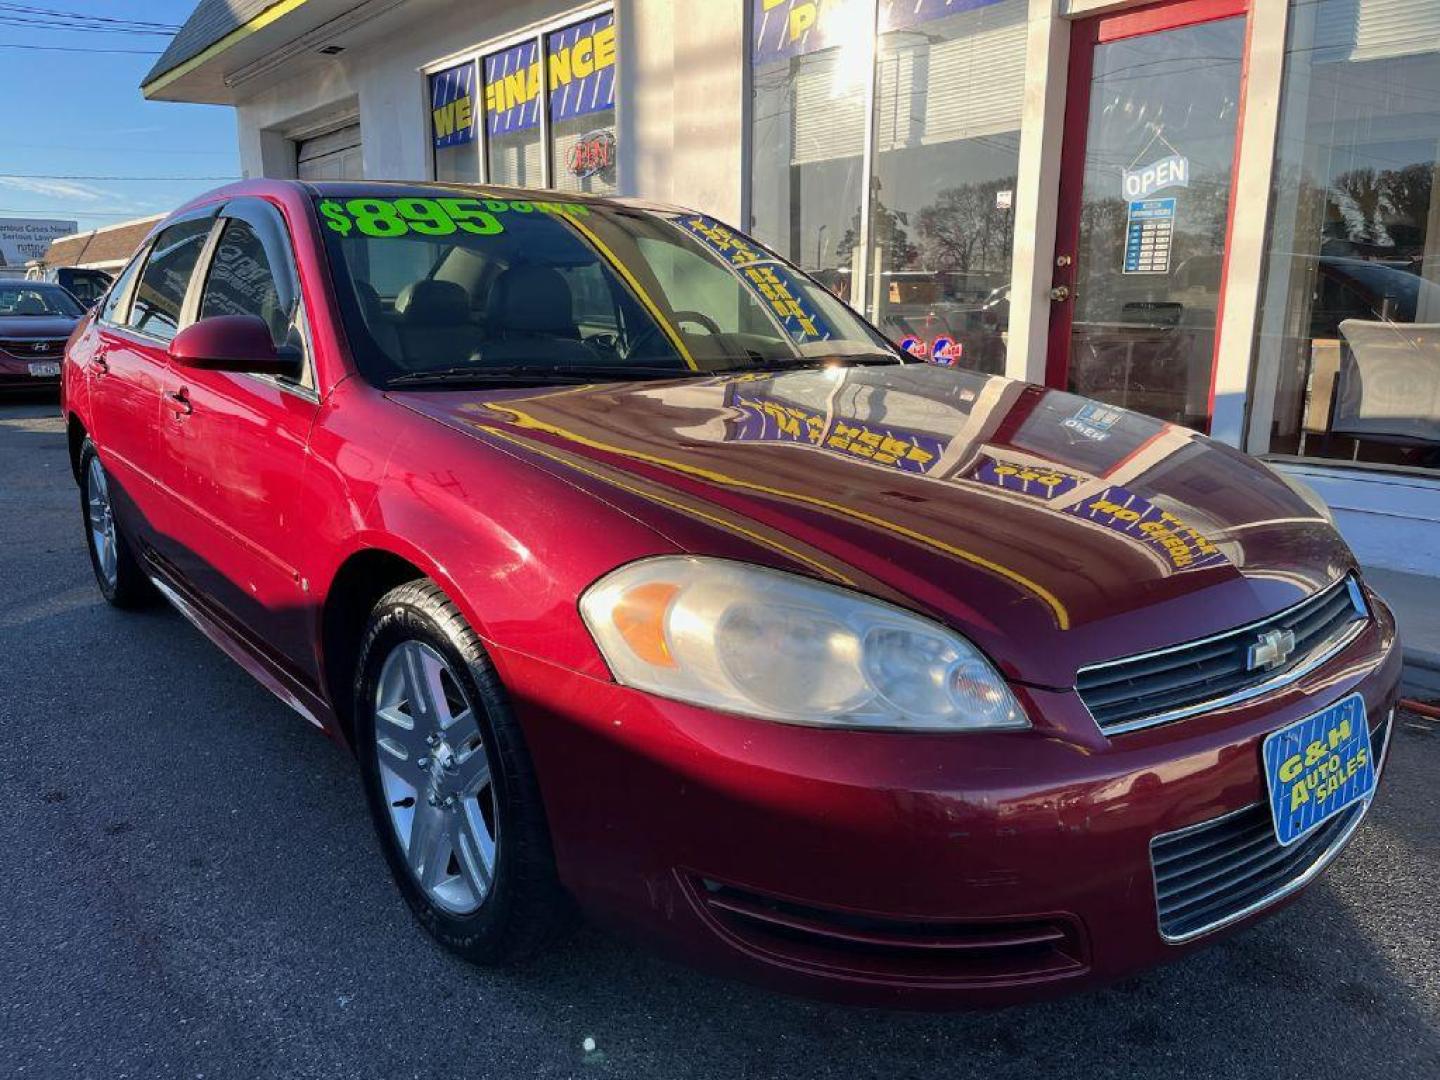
(899, 950)
(1219, 871)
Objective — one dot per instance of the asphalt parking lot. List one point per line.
(191, 889)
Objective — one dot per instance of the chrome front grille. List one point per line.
(33, 348)
(1168, 684)
(1220, 871)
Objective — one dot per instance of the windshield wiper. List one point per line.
(794, 363)
(529, 375)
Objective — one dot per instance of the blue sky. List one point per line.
(66, 116)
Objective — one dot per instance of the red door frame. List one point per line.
(1085, 34)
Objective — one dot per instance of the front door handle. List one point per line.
(180, 401)
(1060, 293)
(102, 365)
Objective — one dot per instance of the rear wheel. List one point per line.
(449, 781)
(117, 572)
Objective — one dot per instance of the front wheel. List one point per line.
(449, 781)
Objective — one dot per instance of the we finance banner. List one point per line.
(452, 105)
(581, 62)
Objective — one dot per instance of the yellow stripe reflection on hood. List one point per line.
(523, 419)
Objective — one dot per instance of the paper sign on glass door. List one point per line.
(1148, 231)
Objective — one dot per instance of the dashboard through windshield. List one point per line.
(450, 282)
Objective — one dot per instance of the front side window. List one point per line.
(484, 287)
(32, 298)
(512, 116)
(581, 74)
(160, 292)
(242, 281)
(452, 123)
(1348, 353)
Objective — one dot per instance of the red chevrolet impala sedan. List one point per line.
(637, 571)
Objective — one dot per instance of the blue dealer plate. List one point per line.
(1317, 766)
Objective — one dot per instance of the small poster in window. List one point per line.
(1149, 228)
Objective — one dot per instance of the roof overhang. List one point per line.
(288, 34)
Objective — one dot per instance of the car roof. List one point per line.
(392, 189)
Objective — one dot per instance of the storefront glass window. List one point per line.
(1348, 356)
(949, 84)
(581, 63)
(810, 63)
(452, 123)
(512, 115)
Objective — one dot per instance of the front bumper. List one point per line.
(15, 372)
(900, 869)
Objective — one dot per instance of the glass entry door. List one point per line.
(1144, 212)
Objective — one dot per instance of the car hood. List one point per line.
(1054, 530)
(36, 326)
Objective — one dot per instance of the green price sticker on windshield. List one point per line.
(388, 218)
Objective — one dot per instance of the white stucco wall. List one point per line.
(681, 80)
(1390, 520)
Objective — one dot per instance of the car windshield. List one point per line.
(29, 298)
(454, 285)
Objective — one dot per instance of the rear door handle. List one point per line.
(180, 401)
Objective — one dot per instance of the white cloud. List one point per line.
(56, 189)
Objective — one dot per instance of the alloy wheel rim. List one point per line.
(101, 520)
(436, 778)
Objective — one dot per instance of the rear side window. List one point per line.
(242, 282)
(112, 310)
(161, 292)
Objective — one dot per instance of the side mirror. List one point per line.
(239, 343)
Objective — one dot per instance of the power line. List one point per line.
(52, 24)
(79, 16)
(76, 176)
(31, 211)
(69, 49)
(110, 149)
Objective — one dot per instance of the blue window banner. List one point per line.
(772, 281)
(512, 88)
(581, 59)
(768, 419)
(782, 29)
(1038, 481)
(452, 106)
(1181, 545)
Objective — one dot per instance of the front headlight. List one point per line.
(769, 644)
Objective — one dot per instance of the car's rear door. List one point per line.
(128, 362)
(234, 444)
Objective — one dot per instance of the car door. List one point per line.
(128, 363)
(234, 444)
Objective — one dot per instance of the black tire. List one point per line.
(130, 589)
(525, 906)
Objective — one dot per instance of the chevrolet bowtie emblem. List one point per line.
(1271, 649)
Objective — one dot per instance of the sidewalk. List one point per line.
(1415, 600)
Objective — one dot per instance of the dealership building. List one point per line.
(1225, 213)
